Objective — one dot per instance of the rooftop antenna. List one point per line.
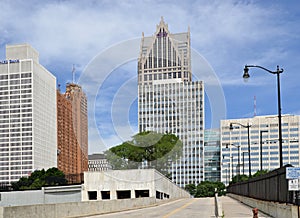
(73, 74)
(254, 105)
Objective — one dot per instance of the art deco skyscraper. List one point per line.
(72, 132)
(28, 134)
(169, 101)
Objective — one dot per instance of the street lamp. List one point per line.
(277, 72)
(261, 132)
(230, 170)
(244, 162)
(238, 147)
(248, 131)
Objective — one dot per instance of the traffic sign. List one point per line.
(292, 172)
(293, 185)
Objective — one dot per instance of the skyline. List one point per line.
(227, 35)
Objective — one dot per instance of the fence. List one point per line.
(272, 186)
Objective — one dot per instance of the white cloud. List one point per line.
(229, 34)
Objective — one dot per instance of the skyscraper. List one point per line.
(28, 134)
(72, 131)
(169, 101)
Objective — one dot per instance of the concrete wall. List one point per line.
(74, 209)
(143, 179)
(58, 194)
(274, 209)
(164, 185)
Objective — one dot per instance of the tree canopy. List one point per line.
(147, 150)
(206, 189)
(40, 178)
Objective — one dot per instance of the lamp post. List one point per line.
(238, 147)
(248, 131)
(244, 162)
(277, 72)
(261, 149)
(230, 170)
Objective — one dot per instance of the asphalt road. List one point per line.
(192, 207)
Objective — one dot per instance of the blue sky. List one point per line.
(225, 34)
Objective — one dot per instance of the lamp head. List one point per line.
(230, 126)
(246, 74)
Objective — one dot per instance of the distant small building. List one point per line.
(98, 162)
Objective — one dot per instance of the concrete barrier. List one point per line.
(218, 206)
(74, 209)
(274, 209)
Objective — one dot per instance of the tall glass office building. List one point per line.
(169, 101)
(212, 169)
(28, 132)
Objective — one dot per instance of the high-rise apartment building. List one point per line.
(28, 134)
(169, 101)
(264, 144)
(72, 131)
(212, 170)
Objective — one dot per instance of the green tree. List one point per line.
(155, 149)
(207, 189)
(191, 188)
(40, 178)
(260, 172)
(239, 178)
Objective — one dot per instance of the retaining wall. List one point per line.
(74, 209)
(274, 209)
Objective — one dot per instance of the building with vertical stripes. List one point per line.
(264, 144)
(28, 133)
(169, 101)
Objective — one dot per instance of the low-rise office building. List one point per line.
(263, 141)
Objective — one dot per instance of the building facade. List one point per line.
(264, 144)
(169, 101)
(27, 114)
(98, 162)
(72, 131)
(212, 169)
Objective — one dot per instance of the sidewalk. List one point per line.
(235, 209)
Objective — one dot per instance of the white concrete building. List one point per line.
(129, 184)
(264, 143)
(28, 132)
(169, 101)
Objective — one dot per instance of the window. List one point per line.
(141, 193)
(92, 195)
(105, 195)
(123, 194)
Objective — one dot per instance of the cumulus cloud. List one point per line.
(228, 34)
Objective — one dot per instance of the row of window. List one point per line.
(15, 76)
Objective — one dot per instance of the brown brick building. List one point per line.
(72, 132)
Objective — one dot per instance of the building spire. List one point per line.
(73, 74)
(162, 19)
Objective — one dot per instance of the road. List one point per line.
(192, 207)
